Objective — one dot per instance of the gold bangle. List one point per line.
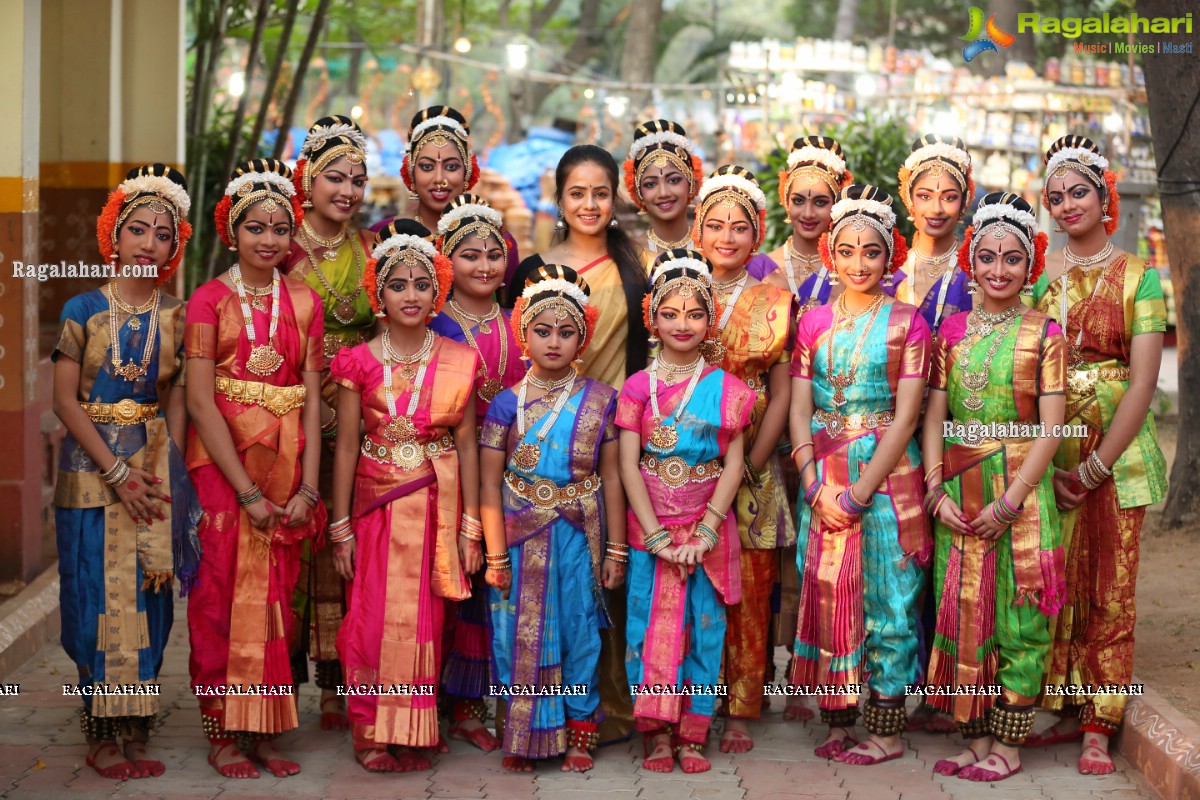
(1021, 478)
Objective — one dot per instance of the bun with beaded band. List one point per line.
(328, 139)
(406, 241)
(1082, 155)
(862, 206)
(265, 180)
(688, 272)
(733, 184)
(1001, 212)
(661, 142)
(164, 190)
(466, 214)
(937, 155)
(553, 286)
(439, 125)
(813, 159)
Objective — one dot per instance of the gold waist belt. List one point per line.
(406, 455)
(1082, 380)
(279, 400)
(835, 423)
(125, 412)
(675, 472)
(547, 494)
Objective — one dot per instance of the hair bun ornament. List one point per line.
(163, 190)
(816, 159)
(439, 126)
(730, 185)
(1080, 154)
(938, 155)
(563, 289)
(260, 180)
(661, 143)
(405, 241)
(866, 206)
(682, 270)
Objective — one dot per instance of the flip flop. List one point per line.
(481, 737)
(831, 750)
(1042, 740)
(381, 761)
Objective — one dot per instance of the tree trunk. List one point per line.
(587, 45)
(847, 15)
(239, 114)
(638, 60)
(264, 109)
(1173, 84)
(314, 36)
(208, 76)
(1024, 49)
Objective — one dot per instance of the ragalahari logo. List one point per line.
(995, 36)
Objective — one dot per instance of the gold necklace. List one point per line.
(727, 287)
(406, 362)
(401, 429)
(665, 437)
(331, 243)
(675, 370)
(131, 371)
(937, 264)
(343, 309)
(976, 380)
(841, 381)
(264, 358)
(1088, 261)
(526, 455)
(656, 243)
(490, 387)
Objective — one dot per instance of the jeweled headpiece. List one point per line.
(561, 289)
(815, 160)
(683, 270)
(732, 185)
(1001, 213)
(405, 242)
(1080, 154)
(937, 155)
(328, 140)
(661, 142)
(439, 125)
(467, 214)
(864, 206)
(265, 180)
(160, 188)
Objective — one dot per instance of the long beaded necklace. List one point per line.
(841, 381)
(343, 308)
(528, 454)
(714, 350)
(809, 266)
(131, 371)
(656, 243)
(665, 437)
(490, 386)
(401, 429)
(976, 380)
(264, 358)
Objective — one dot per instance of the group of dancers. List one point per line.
(606, 506)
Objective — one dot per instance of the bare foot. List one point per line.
(875, 750)
(1002, 762)
(475, 732)
(577, 760)
(231, 762)
(1094, 758)
(796, 711)
(333, 711)
(135, 751)
(377, 760)
(109, 762)
(658, 756)
(691, 758)
(736, 738)
(976, 749)
(837, 740)
(1066, 729)
(517, 764)
(264, 752)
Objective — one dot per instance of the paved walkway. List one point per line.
(42, 758)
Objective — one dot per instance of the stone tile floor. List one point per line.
(42, 757)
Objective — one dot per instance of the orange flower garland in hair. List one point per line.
(298, 178)
(1114, 202)
(106, 223)
(225, 206)
(899, 250)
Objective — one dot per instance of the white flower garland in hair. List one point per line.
(939, 150)
(662, 137)
(433, 122)
(273, 178)
(843, 208)
(401, 241)
(451, 218)
(826, 158)
(1005, 211)
(693, 264)
(556, 285)
(1081, 154)
(317, 138)
(737, 182)
(160, 185)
